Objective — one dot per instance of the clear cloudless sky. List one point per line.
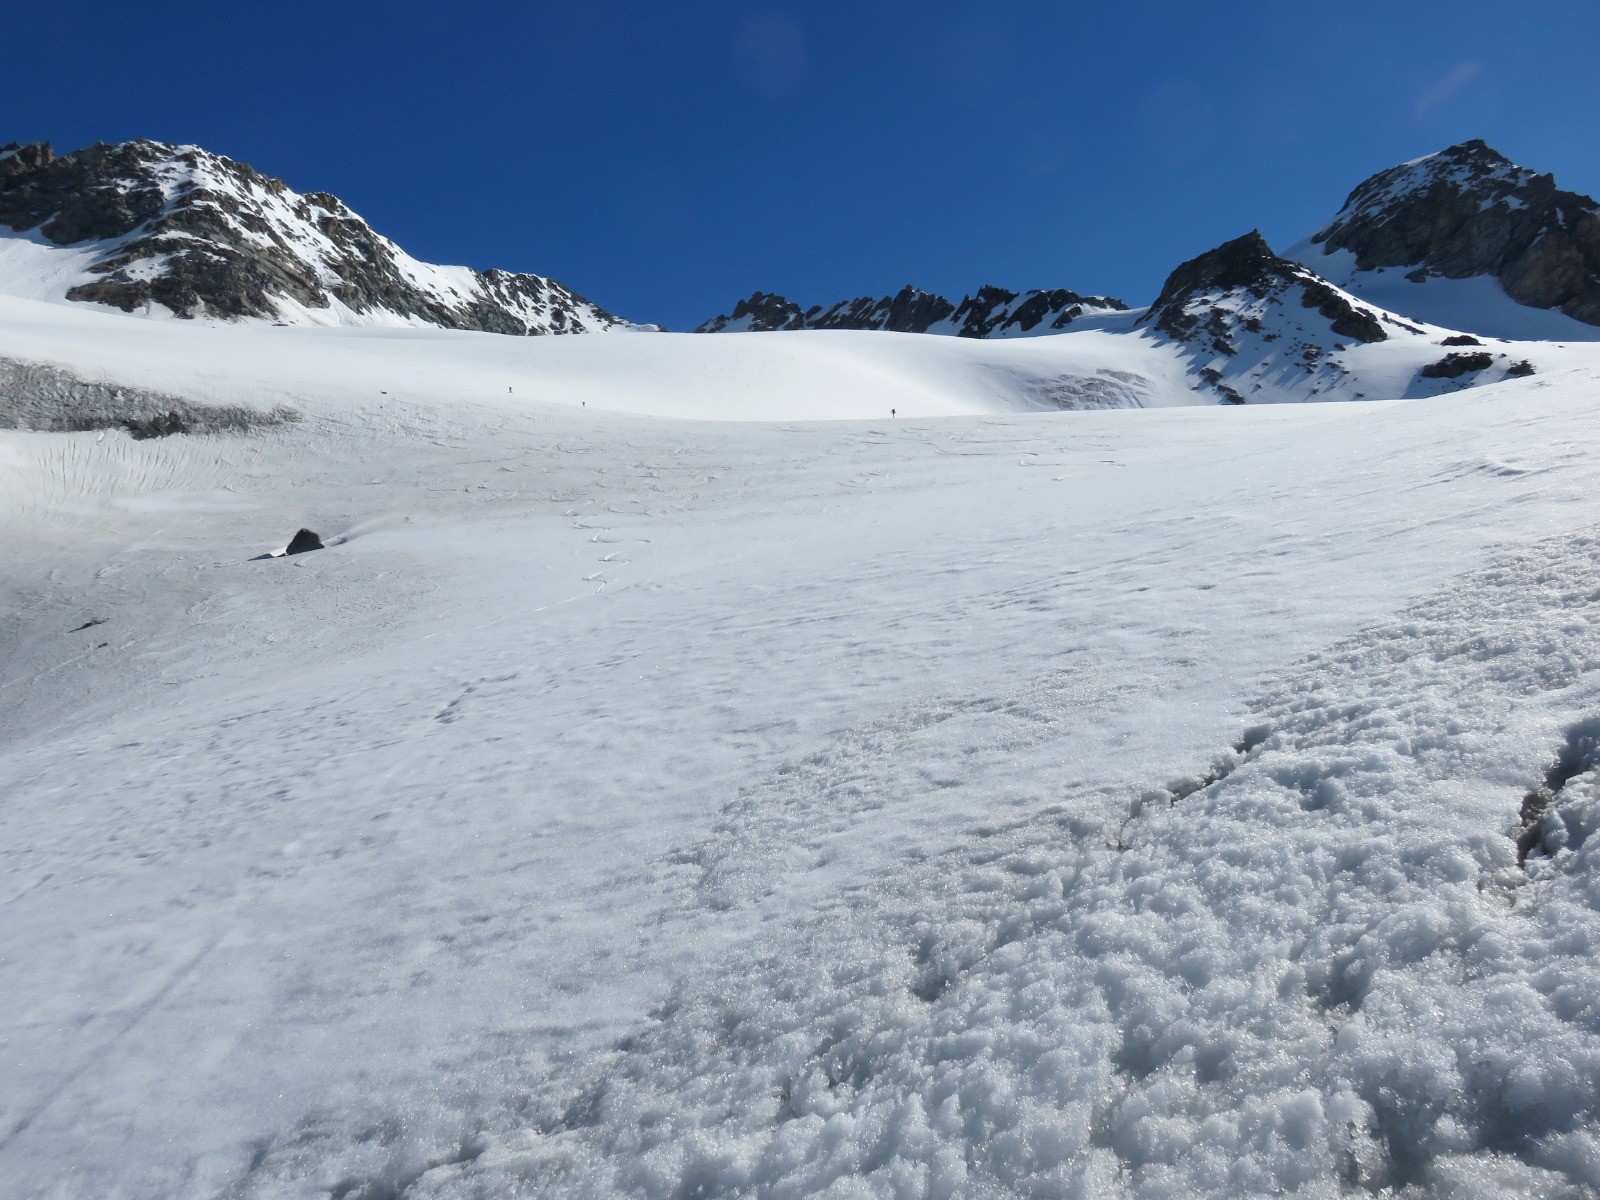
(667, 158)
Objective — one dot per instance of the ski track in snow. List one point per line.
(677, 808)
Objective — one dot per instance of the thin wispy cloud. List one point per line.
(1459, 77)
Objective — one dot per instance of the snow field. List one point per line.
(1324, 970)
(817, 375)
(662, 804)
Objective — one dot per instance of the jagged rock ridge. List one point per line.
(991, 312)
(1470, 211)
(762, 312)
(203, 235)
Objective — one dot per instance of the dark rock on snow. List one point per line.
(1454, 366)
(303, 541)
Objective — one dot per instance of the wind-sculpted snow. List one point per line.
(1322, 971)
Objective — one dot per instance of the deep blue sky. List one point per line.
(665, 159)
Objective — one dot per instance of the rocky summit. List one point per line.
(1470, 211)
(1251, 319)
(201, 235)
(1201, 298)
(990, 312)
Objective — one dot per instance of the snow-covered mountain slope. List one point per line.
(798, 765)
(1109, 804)
(1113, 361)
(1466, 238)
(825, 375)
(155, 229)
(1260, 328)
(992, 312)
(1238, 324)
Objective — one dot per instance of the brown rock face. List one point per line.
(203, 235)
(1470, 211)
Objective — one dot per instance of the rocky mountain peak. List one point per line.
(1249, 314)
(1239, 282)
(203, 235)
(1470, 211)
(1245, 262)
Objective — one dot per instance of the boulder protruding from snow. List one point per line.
(305, 540)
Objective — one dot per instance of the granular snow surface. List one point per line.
(636, 801)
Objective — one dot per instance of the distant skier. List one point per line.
(891, 412)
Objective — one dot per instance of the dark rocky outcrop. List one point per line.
(910, 310)
(995, 311)
(990, 312)
(1246, 262)
(203, 235)
(763, 312)
(96, 193)
(1470, 211)
(1257, 326)
(1454, 366)
(1189, 307)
